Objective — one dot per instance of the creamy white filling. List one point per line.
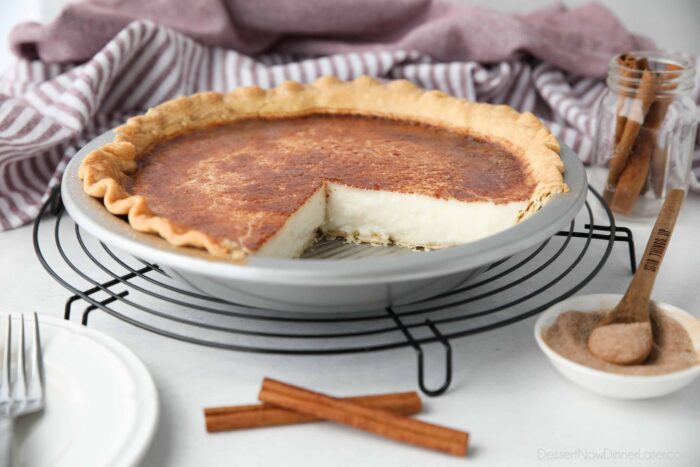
(388, 217)
(299, 232)
(414, 220)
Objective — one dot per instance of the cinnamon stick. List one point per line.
(634, 176)
(369, 419)
(630, 67)
(261, 415)
(657, 111)
(643, 99)
(636, 172)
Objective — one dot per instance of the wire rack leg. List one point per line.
(420, 356)
(105, 285)
(625, 235)
(69, 305)
(105, 302)
(622, 234)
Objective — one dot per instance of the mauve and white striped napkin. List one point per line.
(48, 110)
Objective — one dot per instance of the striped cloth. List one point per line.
(49, 111)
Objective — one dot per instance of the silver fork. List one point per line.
(19, 395)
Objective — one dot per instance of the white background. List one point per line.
(504, 392)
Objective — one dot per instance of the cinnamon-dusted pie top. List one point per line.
(272, 166)
(225, 172)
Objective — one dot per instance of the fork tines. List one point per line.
(20, 394)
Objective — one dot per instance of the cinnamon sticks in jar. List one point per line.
(638, 162)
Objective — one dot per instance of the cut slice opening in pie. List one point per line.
(267, 172)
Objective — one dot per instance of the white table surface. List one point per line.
(517, 408)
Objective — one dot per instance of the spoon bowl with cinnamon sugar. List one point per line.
(624, 336)
(562, 333)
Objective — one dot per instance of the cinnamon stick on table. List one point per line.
(369, 419)
(261, 415)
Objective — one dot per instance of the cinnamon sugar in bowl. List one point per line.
(675, 363)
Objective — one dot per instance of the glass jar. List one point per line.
(645, 134)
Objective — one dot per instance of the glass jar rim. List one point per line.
(683, 60)
(680, 80)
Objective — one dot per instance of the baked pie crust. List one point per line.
(107, 171)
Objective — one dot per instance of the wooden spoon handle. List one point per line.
(636, 299)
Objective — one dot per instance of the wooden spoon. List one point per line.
(624, 336)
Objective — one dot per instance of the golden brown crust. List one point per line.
(105, 171)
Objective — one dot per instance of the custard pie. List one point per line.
(266, 172)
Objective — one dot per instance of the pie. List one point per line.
(265, 172)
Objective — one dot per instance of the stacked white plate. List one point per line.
(101, 403)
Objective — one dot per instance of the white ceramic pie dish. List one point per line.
(610, 384)
(322, 286)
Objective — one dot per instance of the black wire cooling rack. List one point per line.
(141, 294)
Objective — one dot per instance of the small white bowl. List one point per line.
(611, 384)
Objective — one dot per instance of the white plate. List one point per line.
(101, 403)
